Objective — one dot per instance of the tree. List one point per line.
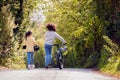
(6, 33)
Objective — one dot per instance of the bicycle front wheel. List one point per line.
(60, 61)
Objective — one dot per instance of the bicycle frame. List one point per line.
(58, 48)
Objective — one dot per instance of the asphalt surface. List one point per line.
(52, 74)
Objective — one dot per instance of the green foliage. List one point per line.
(39, 59)
(6, 32)
(80, 32)
(17, 61)
(69, 60)
(8, 46)
(110, 57)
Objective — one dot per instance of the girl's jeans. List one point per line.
(30, 58)
(48, 54)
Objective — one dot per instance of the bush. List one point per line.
(110, 58)
(10, 56)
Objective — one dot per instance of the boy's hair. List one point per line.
(51, 27)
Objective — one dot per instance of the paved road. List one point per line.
(53, 74)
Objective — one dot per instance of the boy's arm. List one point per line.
(60, 37)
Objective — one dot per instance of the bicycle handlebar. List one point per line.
(59, 44)
(61, 47)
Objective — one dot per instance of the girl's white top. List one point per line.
(50, 37)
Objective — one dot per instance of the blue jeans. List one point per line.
(48, 54)
(30, 58)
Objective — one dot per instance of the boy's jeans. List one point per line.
(48, 54)
(30, 58)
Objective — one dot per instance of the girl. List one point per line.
(30, 43)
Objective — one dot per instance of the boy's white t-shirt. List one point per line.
(50, 37)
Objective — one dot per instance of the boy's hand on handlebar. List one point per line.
(64, 43)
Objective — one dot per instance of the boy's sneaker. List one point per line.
(46, 67)
(50, 66)
(29, 67)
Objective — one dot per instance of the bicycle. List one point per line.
(60, 49)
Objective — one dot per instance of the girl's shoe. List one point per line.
(32, 66)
